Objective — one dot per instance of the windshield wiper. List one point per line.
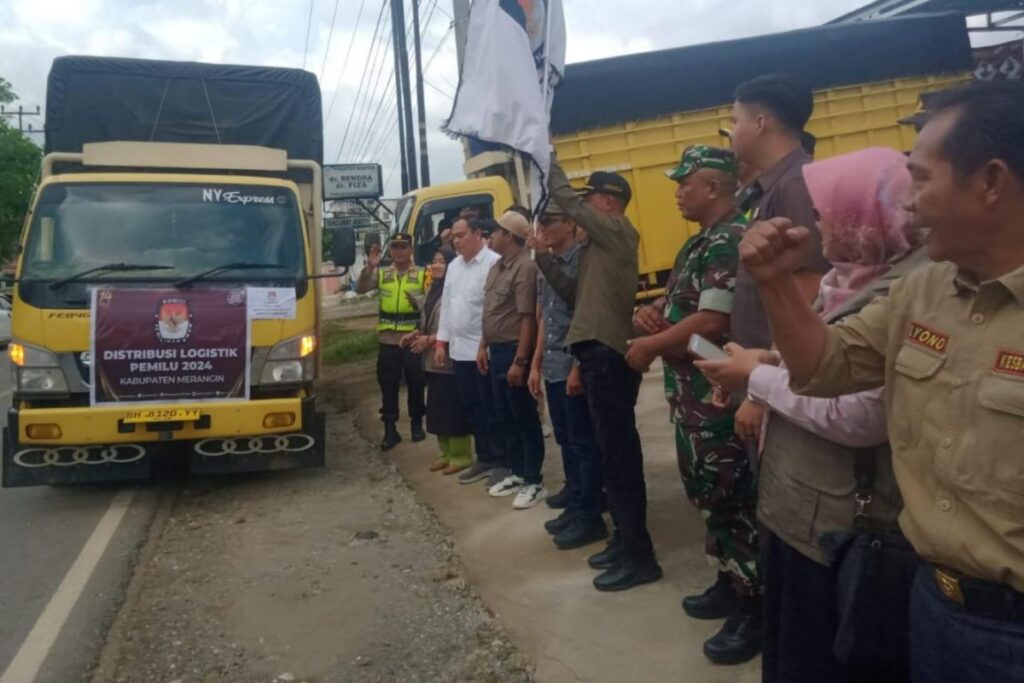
(227, 266)
(109, 268)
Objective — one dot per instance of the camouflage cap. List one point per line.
(697, 157)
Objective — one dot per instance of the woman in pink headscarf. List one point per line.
(807, 486)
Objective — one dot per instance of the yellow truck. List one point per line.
(636, 114)
(166, 299)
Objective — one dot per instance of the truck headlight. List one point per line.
(37, 371)
(290, 362)
(42, 381)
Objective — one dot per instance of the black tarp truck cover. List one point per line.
(608, 92)
(102, 99)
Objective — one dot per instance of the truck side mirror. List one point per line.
(343, 252)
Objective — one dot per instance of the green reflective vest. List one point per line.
(396, 313)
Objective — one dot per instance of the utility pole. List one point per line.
(21, 114)
(398, 99)
(398, 29)
(421, 107)
(460, 18)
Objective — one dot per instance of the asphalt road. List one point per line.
(66, 555)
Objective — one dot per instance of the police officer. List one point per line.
(948, 345)
(713, 461)
(401, 288)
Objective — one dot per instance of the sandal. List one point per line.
(454, 469)
(440, 464)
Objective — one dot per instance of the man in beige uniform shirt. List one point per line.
(948, 343)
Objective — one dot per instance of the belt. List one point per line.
(984, 598)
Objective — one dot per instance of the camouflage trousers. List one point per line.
(720, 483)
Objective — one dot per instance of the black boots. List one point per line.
(417, 430)
(391, 437)
(740, 638)
(560, 500)
(581, 532)
(609, 556)
(717, 602)
(628, 573)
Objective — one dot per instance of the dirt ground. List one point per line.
(317, 576)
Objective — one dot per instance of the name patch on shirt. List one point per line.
(928, 338)
(1010, 363)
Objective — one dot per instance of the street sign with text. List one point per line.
(353, 181)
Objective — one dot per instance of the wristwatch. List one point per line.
(520, 361)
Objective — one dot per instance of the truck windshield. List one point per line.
(188, 229)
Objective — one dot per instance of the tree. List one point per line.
(19, 171)
(6, 92)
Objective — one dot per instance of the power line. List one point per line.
(309, 25)
(344, 64)
(364, 116)
(370, 133)
(348, 125)
(376, 70)
(330, 35)
(450, 96)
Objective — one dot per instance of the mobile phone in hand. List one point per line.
(701, 348)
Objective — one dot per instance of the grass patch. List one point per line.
(345, 345)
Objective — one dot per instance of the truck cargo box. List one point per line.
(101, 99)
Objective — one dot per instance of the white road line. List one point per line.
(30, 657)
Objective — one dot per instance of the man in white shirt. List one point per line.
(458, 336)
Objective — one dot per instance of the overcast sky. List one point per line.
(273, 32)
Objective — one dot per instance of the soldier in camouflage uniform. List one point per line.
(715, 468)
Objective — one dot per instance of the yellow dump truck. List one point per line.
(166, 297)
(636, 114)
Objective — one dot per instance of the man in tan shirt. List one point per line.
(510, 329)
(948, 344)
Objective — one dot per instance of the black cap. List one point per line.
(611, 184)
(923, 113)
(401, 238)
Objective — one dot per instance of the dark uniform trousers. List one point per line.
(394, 362)
(477, 402)
(581, 460)
(612, 388)
(953, 644)
(516, 418)
(801, 620)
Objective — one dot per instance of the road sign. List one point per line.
(354, 222)
(353, 181)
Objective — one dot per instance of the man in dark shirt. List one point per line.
(768, 118)
(603, 296)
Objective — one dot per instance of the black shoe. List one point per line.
(739, 640)
(391, 437)
(559, 523)
(417, 431)
(717, 602)
(608, 557)
(560, 500)
(581, 532)
(627, 574)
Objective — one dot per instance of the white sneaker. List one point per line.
(528, 496)
(506, 487)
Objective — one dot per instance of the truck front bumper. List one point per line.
(96, 444)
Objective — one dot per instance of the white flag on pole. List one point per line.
(515, 56)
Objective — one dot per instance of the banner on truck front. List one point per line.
(169, 345)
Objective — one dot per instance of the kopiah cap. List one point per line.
(401, 239)
(612, 184)
(697, 157)
(515, 223)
